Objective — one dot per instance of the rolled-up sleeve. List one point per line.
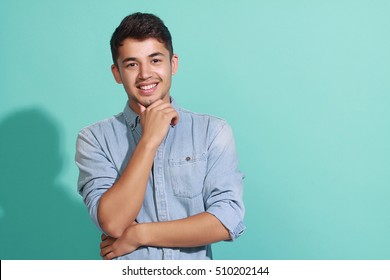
(223, 185)
(97, 173)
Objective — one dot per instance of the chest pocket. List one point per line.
(187, 174)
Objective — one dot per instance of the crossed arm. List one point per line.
(120, 205)
(188, 232)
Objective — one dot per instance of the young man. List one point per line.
(160, 182)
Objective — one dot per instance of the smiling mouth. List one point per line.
(147, 87)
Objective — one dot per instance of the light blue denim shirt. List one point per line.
(194, 170)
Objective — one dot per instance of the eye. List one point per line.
(155, 60)
(130, 65)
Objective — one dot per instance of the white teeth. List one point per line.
(148, 87)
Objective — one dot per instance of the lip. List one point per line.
(147, 89)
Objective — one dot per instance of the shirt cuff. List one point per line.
(230, 219)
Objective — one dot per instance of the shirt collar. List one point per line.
(132, 118)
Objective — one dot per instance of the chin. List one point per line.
(148, 100)
(147, 103)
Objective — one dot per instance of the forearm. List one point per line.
(120, 205)
(197, 230)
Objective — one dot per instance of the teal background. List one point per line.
(304, 84)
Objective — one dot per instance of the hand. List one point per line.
(155, 121)
(114, 247)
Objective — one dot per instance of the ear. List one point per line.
(116, 73)
(174, 64)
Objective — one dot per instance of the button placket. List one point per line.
(161, 200)
(160, 193)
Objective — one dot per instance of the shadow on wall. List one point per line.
(39, 220)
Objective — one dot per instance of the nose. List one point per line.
(144, 72)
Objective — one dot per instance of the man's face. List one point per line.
(145, 70)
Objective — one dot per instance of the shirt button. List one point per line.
(132, 126)
(188, 158)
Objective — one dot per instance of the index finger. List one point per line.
(141, 107)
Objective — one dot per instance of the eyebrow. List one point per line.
(127, 59)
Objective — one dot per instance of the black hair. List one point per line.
(140, 26)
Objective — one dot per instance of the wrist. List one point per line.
(148, 145)
(142, 234)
